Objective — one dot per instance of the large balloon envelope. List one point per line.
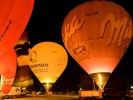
(48, 60)
(14, 16)
(8, 63)
(97, 34)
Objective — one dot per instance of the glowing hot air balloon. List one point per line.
(48, 60)
(97, 34)
(23, 76)
(8, 63)
(14, 16)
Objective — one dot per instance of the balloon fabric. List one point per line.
(14, 16)
(97, 38)
(8, 65)
(47, 61)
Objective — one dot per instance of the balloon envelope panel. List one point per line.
(8, 65)
(14, 16)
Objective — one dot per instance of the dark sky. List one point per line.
(45, 25)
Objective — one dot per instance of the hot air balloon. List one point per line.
(8, 63)
(14, 16)
(97, 34)
(47, 61)
(23, 77)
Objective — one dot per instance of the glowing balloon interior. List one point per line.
(48, 60)
(14, 16)
(97, 34)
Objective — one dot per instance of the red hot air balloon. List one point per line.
(14, 16)
(97, 34)
(8, 63)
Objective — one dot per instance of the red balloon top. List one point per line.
(14, 16)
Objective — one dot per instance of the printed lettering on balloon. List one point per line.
(39, 65)
(7, 81)
(79, 49)
(33, 59)
(71, 28)
(120, 29)
(39, 70)
(6, 29)
(91, 12)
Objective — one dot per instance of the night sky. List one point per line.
(45, 25)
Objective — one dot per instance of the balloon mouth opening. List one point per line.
(100, 78)
(47, 86)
